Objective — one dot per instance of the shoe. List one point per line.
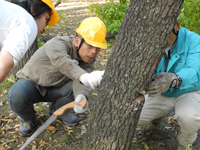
(69, 119)
(181, 147)
(26, 128)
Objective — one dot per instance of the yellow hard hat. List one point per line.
(93, 31)
(54, 14)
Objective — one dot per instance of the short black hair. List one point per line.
(38, 7)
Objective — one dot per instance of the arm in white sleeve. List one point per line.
(20, 37)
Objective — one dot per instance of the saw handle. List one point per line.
(62, 109)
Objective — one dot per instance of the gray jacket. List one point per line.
(55, 63)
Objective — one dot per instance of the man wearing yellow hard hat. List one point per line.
(21, 22)
(60, 72)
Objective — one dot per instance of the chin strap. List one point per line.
(82, 40)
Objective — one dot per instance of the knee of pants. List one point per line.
(16, 99)
(188, 120)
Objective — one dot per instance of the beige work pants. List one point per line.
(187, 112)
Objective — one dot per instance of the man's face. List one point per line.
(172, 37)
(171, 40)
(42, 23)
(88, 53)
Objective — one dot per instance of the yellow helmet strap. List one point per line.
(82, 40)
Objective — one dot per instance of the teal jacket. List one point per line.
(184, 61)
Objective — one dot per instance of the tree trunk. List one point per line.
(137, 51)
(26, 58)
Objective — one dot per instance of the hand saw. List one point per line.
(57, 113)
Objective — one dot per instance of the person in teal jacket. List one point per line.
(176, 86)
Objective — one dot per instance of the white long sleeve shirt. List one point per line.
(18, 30)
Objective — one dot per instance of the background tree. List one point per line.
(137, 51)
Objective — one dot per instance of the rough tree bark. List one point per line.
(139, 46)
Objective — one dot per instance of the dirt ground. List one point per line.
(59, 136)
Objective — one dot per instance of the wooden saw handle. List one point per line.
(62, 109)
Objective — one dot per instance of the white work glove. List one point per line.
(78, 108)
(161, 82)
(92, 79)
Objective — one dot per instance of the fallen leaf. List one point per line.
(58, 121)
(43, 142)
(146, 147)
(103, 63)
(1, 103)
(2, 147)
(5, 91)
(95, 94)
(83, 129)
(7, 120)
(38, 109)
(50, 128)
(6, 127)
(50, 139)
(70, 131)
(15, 135)
(34, 147)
